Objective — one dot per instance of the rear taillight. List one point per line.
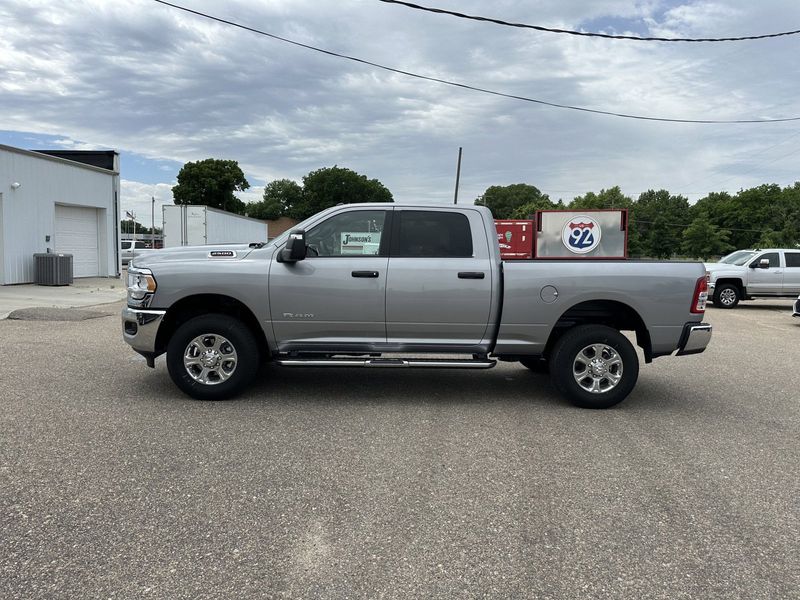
(700, 296)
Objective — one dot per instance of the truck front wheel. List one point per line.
(212, 357)
(594, 366)
(727, 295)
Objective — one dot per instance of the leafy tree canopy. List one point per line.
(334, 185)
(321, 189)
(610, 198)
(702, 239)
(211, 182)
(516, 201)
(281, 196)
(660, 218)
(762, 216)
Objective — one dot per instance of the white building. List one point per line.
(61, 205)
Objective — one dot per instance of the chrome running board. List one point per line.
(429, 363)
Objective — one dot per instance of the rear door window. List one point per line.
(793, 259)
(431, 234)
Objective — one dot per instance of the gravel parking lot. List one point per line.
(399, 484)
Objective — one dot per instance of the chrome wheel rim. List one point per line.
(727, 296)
(210, 359)
(597, 368)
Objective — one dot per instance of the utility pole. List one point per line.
(458, 176)
(153, 223)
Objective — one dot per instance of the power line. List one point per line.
(608, 36)
(470, 87)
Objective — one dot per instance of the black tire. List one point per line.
(536, 364)
(617, 357)
(229, 350)
(727, 295)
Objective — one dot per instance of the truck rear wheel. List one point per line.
(594, 366)
(212, 357)
(727, 295)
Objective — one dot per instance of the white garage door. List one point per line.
(76, 234)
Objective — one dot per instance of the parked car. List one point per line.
(359, 280)
(796, 311)
(747, 274)
(128, 250)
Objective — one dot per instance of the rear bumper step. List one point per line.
(428, 363)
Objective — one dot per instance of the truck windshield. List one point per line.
(737, 258)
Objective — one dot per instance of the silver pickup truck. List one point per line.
(746, 274)
(388, 285)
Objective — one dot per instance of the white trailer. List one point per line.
(190, 225)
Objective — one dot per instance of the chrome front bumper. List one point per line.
(695, 338)
(140, 327)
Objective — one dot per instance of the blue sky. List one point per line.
(134, 167)
(163, 87)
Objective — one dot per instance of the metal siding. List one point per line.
(2, 237)
(196, 225)
(172, 223)
(29, 211)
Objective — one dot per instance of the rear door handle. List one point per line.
(364, 273)
(471, 275)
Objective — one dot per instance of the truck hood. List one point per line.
(218, 252)
(724, 268)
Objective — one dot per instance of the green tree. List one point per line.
(789, 213)
(659, 219)
(330, 186)
(211, 182)
(515, 201)
(527, 210)
(281, 196)
(702, 239)
(610, 198)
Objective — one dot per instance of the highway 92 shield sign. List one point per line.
(581, 234)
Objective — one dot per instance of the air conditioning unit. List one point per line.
(53, 269)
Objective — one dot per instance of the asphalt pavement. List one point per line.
(348, 483)
(83, 292)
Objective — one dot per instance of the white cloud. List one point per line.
(141, 77)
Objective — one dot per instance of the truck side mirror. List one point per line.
(763, 264)
(295, 248)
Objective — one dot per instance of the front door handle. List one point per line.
(364, 273)
(471, 275)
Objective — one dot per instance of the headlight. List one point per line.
(140, 283)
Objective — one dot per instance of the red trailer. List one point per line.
(515, 238)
